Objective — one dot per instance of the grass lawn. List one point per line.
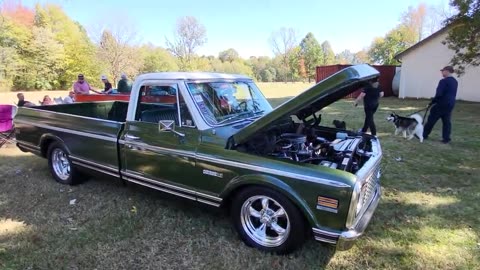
(428, 217)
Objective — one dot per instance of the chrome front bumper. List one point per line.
(345, 240)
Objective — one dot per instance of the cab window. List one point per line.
(162, 102)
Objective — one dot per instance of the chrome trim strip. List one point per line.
(327, 233)
(321, 239)
(159, 188)
(80, 133)
(81, 160)
(73, 115)
(273, 171)
(28, 148)
(95, 169)
(208, 202)
(28, 145)
(327, 209)
(159, 183)
(209, 197)
(158, 149)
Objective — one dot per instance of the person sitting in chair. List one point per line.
(22, 102)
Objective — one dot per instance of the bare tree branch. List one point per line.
(283, 41)
(189, 35)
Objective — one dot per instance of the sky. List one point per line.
(246, 25)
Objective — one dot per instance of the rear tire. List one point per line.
(61, 166)
(267, 220)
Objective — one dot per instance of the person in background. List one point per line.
(47, 100)
(70, 98)
(443, 104)
(82, 87)
(108, 86)
(22, 102)
(123, 85)
(370, 95)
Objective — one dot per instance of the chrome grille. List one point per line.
(369, 187)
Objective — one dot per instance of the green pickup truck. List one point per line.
(279, 173)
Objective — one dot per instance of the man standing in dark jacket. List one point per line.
(442, 104)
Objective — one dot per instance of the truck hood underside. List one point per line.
(312, 100)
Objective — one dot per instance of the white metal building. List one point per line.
(421, 66)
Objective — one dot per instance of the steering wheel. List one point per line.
(244, 104)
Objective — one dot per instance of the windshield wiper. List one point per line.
(234, 116)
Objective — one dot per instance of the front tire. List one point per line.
(60, 165)
(267, 220)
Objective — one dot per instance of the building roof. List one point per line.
(421, 42)
(191, 76)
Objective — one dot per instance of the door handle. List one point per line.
(131, 138)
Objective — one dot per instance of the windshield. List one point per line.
(225, 102)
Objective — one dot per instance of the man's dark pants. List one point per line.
(369, 123)
(445, 113)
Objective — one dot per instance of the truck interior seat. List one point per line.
(163, 113)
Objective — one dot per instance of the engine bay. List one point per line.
(322, 146)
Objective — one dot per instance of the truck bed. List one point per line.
(113, 110)
(90, 130)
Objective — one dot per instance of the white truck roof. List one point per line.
(190, 76)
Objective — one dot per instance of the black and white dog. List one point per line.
(411, 126)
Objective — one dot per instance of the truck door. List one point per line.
(158, 145)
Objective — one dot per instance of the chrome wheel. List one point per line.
(60, 164)
(265, 221)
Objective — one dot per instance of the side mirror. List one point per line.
(168, 126)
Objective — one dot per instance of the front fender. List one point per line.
(273, 183)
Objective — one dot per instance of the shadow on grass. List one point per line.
(135, 227)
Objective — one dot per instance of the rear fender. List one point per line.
(48, 138)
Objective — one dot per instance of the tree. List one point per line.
(410, 31)
(360, 57)
(328, 54)
(229, 55)
(302, 70)
(189, 35)
(46, 62)
(79, 50)
(464, 34)
(383, 50)
(157, 59)
(15, 38)
(118, 55)
(345, 57)
(414, 20)
(294, 63)
(259, 65)
(283, 41)
(312, 54)
(268, 75)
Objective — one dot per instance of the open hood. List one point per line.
(312, 100)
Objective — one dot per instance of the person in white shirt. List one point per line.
(70, 98)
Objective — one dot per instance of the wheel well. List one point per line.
(44, 146)
(227, 202)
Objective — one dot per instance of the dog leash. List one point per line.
(425, 109)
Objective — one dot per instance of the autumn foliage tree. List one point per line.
(464, 34)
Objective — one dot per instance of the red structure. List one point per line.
(386, 77)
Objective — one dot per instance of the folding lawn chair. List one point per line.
(7, 130)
